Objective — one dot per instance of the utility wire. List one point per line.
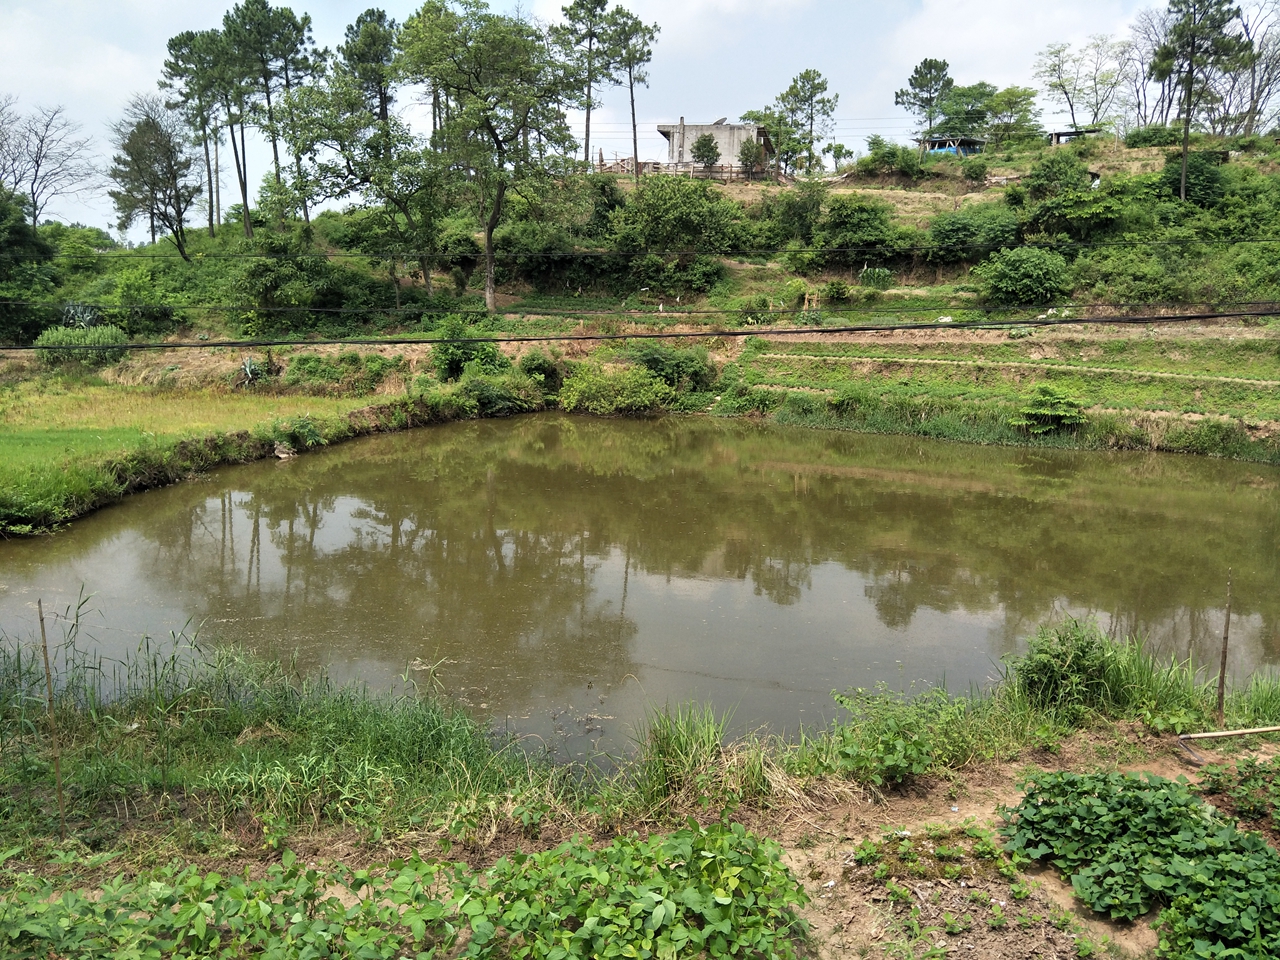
(676, 312)
(670, 335)
(876, 249)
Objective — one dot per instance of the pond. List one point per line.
(565, 574)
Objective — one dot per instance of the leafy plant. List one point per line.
(451, 357)
(885, 743)
(876, 278)
(1047, 410)
(630, 390)
(98, 346)
(715, 891)
(1133, 842)
(1024, 276)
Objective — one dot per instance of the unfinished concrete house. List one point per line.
(729, 138)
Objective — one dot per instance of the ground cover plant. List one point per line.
(1131, 843)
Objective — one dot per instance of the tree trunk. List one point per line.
(1186, 122)
(425, 267)
(208, 168)
(271, 128)
(242, 175)
(635, 137)
(490, 285)
(587, 138)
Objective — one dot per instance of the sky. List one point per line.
(713, 58)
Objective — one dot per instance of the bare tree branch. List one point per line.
(43, 158)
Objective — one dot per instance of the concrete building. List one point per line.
(729, 138)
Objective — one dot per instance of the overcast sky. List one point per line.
(714, 58)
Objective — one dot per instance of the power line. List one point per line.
(877, 249)
(897, 307)
(669, 335)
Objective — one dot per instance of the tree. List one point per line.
(926, 88)
(839, 153)
(152, 169)
(787, 143)
(42, 158)
(1241, 96)
(507, 91)
(1085, 81)
(584, 36)
(369, 56)
(631, 41)
(706, 151)
(1144, 104)
(965, 110)
(190, 74)
(353, 153)
(270, 51)
(234, 96)
(1200, 40)
(751, 156)
(24, 256)
(809, 110)
(1012, 116)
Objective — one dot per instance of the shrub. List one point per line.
(885, 742)
(1060, 172)
(137, 309)
(452, 358)
(1205, 185)
(972, 232)
(629, 390)
(349, 371)
(1024, 276)
(106, 339)
(1065, 667)
(754, 310)
(500, 396)
(855, 231)
(974, 169)
(683, 369)
(837, 291)
(1153, 136)
(1048, 409)
(542, 370)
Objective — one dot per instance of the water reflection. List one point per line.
(570, 570)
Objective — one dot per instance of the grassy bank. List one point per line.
(230, 747)
(174, 765)
(70, 444)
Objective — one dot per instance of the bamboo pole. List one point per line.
(53, 726)
(1222, 668)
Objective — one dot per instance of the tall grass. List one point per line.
(228, 740)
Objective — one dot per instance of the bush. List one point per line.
(500, 396)
(972, 232)
(837, 291)
(451, 359)
(1205, 185)
(1153, 136)
(542, 370)
(630, 390)
(1065, 668)
(347, 371)
(1024, 276)
(1060, 172)
(683, 369)
(974, 169)
(856, 231)
(1048, 409)
(107, 338)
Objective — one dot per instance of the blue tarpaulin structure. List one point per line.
(957, 146)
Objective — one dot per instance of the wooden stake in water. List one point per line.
(53, 727)
(1222, 668)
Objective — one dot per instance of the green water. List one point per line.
(565, 573)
